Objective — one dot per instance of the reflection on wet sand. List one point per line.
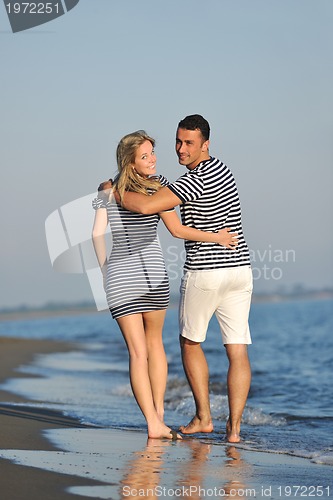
(235, 471)
(194, 469)
(205, 470)
(144, 468)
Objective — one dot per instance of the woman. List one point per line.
(135, 278)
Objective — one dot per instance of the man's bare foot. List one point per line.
(197, 425)
(232, 434)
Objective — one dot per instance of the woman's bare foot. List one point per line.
(197, 425)
(161, 431)
(160, 414)
(232, 434)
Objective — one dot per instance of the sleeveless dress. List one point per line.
(136, 279)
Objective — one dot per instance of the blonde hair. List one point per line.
(128, 179)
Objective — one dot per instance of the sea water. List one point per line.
(289, 408)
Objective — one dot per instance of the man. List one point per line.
(217, 280)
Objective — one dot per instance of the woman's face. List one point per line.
(145, 160)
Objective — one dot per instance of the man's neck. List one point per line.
(203, 158)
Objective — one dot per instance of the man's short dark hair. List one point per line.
(196, 122)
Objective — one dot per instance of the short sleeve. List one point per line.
(99, 203)
(163, 180)
(104, 190)
(188, 187)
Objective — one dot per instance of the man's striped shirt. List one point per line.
(210, 202)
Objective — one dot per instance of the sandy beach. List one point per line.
(22, 427)
(45, 455)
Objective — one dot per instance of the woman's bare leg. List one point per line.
(157, 362)
(132, 328)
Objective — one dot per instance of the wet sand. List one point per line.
(45, 455)
(21, 429)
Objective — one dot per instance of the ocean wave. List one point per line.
(122, 390)
(255, 416)
(220, 411)
(320, 457)
(323, 458)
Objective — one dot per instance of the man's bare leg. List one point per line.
(196, 370)
(239, 380)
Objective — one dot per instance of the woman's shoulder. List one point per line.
(163, 180)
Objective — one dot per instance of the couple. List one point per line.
(217, 273)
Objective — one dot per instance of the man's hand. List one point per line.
(104, 189)
(227, 239)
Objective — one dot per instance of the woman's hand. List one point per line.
(104, 274)
(227, 239)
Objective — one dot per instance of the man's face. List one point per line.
(191, 148)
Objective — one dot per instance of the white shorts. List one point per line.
(225, 292)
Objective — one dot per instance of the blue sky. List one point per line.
(260, 71)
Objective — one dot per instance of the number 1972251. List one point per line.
(304, 491)
(33, 8)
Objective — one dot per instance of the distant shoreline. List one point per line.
(43, 312)
(283, 297)
(66, 309)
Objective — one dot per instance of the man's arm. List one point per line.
(164, 199)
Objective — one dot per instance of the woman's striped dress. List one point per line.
(137, 280)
